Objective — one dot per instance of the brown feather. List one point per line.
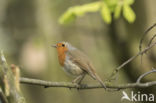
(80, 59)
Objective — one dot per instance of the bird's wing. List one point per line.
(84, 63)
(80, 59)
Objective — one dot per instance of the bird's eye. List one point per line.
(63, 45)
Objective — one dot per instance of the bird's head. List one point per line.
(61, 47)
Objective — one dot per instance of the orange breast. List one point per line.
(61, 55)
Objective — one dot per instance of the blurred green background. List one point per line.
(29, 27)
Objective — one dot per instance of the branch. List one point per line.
(6, 75)
(153, 37)
(3, 97)
(130, 59)
(142, 38)
(43, 83)
(145, 33)
(143, 75)
(17, 96)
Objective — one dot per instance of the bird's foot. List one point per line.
(81, 86)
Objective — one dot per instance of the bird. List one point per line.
(76, 63)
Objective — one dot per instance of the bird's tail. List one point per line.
(100, 81)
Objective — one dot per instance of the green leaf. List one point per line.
(92, 7)
(106, 14)
(67, 17)
(129, 2)
(128, 13)
(111, 4)
(78, 11)
(117, 11)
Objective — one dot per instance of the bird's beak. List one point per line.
(54, 45)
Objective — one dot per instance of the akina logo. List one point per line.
(138, 96)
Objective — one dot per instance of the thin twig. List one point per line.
(142, 38)
(143, 75)
(149, 43)
(145, 33)
(153, 37)
(86, 86)
(130, 59)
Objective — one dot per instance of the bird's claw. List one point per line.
(81, 86)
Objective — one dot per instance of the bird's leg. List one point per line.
(78, 79)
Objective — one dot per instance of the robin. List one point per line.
(75, 62)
